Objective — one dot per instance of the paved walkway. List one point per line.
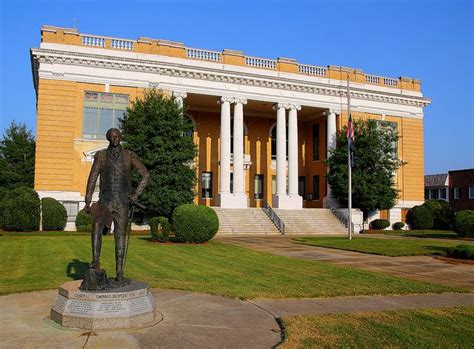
(421, 268)
(191, 320)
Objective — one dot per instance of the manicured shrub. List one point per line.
(398, 226)
(84, 221)
(160, 228)
(53, 214)
(464, 223)
(194, 223)
(461, 251)
(378, 224)
(20, 210)
(419, 217)
(442, 213)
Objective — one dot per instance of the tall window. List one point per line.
(315, 142)
(101, 112)
(206, 185)
(258, 187)
(315, 187)
(389, 126)
(301, 186)
(443, 193)
(232, 135)
(457, 193)
(471, 192)
(274, 142)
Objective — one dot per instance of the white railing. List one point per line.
(311, 70)
(93, 41)
(372, 79)
(122, 44)
(390, 82)
(206, 55)
(260, 62)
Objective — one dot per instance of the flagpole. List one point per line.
(349, 199)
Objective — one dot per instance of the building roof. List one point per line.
(436, 180)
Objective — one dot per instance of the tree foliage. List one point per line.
(376, 163)
(17, 157)
(157, 130)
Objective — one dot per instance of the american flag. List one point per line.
(350, 139)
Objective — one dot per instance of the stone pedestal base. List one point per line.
(231, 200)
(130, 306)
(289, 202)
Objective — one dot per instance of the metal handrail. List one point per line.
(273, 217)
(340, 216)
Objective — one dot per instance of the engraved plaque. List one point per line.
(139, 305)
(112, 308)
(76, 307)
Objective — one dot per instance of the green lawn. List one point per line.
(436, 234)
(43, 262)
(420, 328)
(386, 247)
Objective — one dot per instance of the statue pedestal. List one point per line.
(130, 306)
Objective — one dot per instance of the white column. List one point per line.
(293, 150)
(281, 149)
(179, 97)
(239, 145)
(224, 178)
(331, 144)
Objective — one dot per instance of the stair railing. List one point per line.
(340, 216)
(273, 217)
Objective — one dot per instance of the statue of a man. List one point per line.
(114, 165)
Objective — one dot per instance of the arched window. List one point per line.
(273, 135)
(232, 135)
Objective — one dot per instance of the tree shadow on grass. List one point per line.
(76, 269)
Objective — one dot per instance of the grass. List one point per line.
(437, 234)
(44, 262)
(420, 328)
(385, 247)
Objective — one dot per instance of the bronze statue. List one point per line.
(114, 166)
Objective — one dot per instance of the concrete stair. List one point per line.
(310, 221)
(244, 221)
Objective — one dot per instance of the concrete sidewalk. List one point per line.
(192, 320)
(421, 268)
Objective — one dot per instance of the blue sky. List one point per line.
(429, 40)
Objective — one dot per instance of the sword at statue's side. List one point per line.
(129, 229)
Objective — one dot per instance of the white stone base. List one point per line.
(289, 202)
(126, 307)
(231, 200)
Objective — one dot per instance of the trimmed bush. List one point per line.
(461, 251)
(21, 210)
(379, 224)
(398, 225)
(419, 217)
(160, 228)
(84, 221)
(53, 213)
(464, 223)
(442, 213)
(194, 223)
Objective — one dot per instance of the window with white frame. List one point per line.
(258, 195)
(101, 112)
(471, 192)
(443, 194)
(206, 185)
(457, 193)
(72, 208)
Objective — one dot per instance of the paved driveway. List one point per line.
(421, 268)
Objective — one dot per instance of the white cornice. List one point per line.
(211, 74)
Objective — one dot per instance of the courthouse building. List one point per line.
(263, 126)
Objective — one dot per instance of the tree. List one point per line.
(373, 175)
(157, 130)
(17, 157)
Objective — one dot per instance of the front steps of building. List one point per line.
(310, 221)
(244, 221)
(255, 221)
